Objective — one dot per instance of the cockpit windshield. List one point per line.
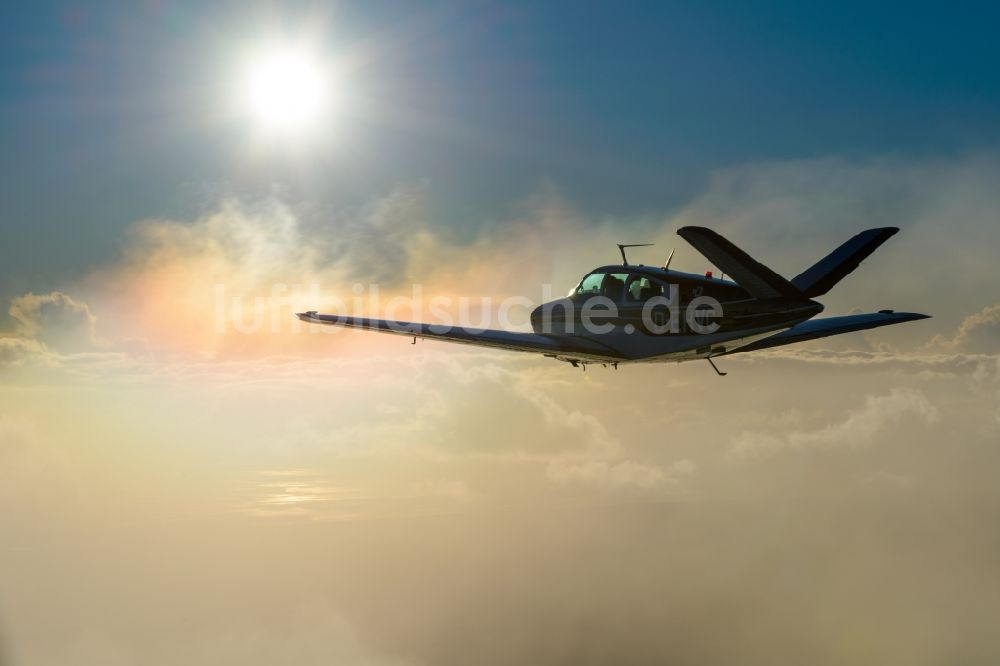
(590, 285)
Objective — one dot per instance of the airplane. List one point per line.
(630, 313)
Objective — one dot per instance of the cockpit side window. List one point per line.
(613, 286)
(640, 289)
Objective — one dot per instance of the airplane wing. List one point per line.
(759, 280)
(560, 345)
(821, 328)
(832, 268)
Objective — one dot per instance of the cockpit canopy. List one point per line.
(620, 287)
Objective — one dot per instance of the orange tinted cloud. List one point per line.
(230, 281)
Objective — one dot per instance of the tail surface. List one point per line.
(756, 278)
(834, 267)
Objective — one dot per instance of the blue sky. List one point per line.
(625, 109)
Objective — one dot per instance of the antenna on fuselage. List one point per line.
(621, 248)
(670, 258)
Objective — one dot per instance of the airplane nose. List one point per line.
(552, 317)
(537, 318)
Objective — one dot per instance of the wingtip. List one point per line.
(905, 316)
(882, 234)
(690, 228)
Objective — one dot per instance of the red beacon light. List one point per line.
(708, 274)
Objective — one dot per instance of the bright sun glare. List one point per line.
(286, 90)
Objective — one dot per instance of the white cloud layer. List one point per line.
(860, 428)
(357, 499)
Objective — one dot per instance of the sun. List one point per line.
(286, 90)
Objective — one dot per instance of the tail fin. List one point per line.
(835, 266)
(756, 278)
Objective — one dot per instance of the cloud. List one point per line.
(889, 479)
(311, 634)
(15, 351)
(453, 405)
(789, 213)
(227, 282)
(56, 332)
(978, 333)
(617, 476)
(859, 429)
(456, 490)
(404, 485)
(31, 470)
(56, 320)
(15, 436)
(315, 634)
